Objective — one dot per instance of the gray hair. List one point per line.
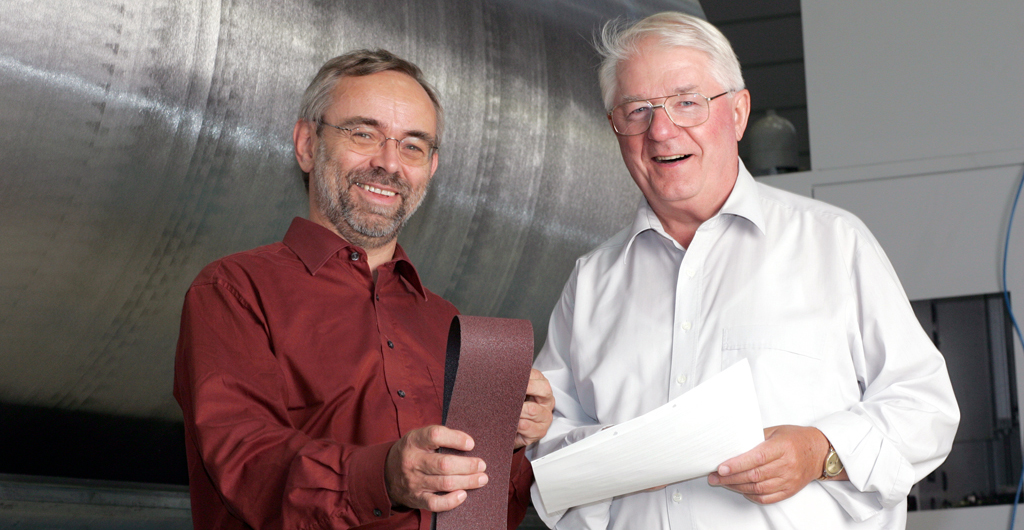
(359, 63)
(618, 42)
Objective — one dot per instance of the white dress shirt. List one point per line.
(800, 289)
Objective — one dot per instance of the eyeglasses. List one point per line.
(685, 110)
(412, 150)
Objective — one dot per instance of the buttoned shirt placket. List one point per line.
(686, 356)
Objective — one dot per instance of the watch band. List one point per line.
(487, 370)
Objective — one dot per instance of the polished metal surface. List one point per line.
(141, 140)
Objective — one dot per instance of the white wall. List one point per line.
(916, 116)
(900, 81)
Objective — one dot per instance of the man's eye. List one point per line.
(638, 112)
(362, 135)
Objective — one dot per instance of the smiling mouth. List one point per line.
(374, 189)
(670, 159)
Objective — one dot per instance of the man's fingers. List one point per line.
(443, 503)
(448, 483)
(763, 453)
(765, 487)
(534, 421)
(435, 437)
(536, 414)
(529, 428)
(529, 432)
(438, 464)
(534, 411)
(778, 468)
(418, 477)
(757, 474)
(539, 390)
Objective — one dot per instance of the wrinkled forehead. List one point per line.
(656, 70)
(391, 101)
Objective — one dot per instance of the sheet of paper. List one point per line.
(685, 438)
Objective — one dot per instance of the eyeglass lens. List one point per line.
(367, 141)
(685, 110)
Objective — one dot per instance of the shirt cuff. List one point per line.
(879, 475)
(369, 497)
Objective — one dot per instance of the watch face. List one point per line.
(833, 466)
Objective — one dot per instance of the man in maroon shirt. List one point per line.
(310, 372)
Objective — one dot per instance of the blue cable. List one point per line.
(1009, 308)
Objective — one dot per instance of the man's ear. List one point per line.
(304, 137)
(741, 111)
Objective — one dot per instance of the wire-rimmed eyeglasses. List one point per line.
(685, 110)
(412, 150)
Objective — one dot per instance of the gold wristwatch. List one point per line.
(833, 466)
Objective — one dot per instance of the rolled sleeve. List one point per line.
(904, 424)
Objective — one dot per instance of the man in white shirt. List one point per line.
(716, 268)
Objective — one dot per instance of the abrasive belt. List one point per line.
(486, 372)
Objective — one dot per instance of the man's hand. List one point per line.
(418, 477)
(537, 410)
(790, 458)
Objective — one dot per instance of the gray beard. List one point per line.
(364, 225)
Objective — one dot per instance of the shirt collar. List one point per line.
(315, 245)
(744, 201)
(644, 220)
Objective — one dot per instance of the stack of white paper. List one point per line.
(686, 438)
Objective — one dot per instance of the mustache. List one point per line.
(380, 177)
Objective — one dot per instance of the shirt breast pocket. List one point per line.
(786, 364)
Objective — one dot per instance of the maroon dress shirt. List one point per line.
(296, 372)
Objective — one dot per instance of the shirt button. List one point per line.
(354, 256)
(690, 272)
(686, 325)
(681, 379)
(677, 497)
(377, 512)
(377, 297)
(401, 393)
(391, 344)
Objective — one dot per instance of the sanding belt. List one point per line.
(486, 372)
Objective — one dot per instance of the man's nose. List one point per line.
(662, 127)
(387, 158)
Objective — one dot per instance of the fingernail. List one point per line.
(723, 470)
(713, 480)
(481, 467)
(461, 496)
(483, 480)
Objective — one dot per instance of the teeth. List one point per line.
(376, 190)
(670, 158)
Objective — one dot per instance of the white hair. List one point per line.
(619, 41)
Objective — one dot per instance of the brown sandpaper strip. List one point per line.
(487, 369)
